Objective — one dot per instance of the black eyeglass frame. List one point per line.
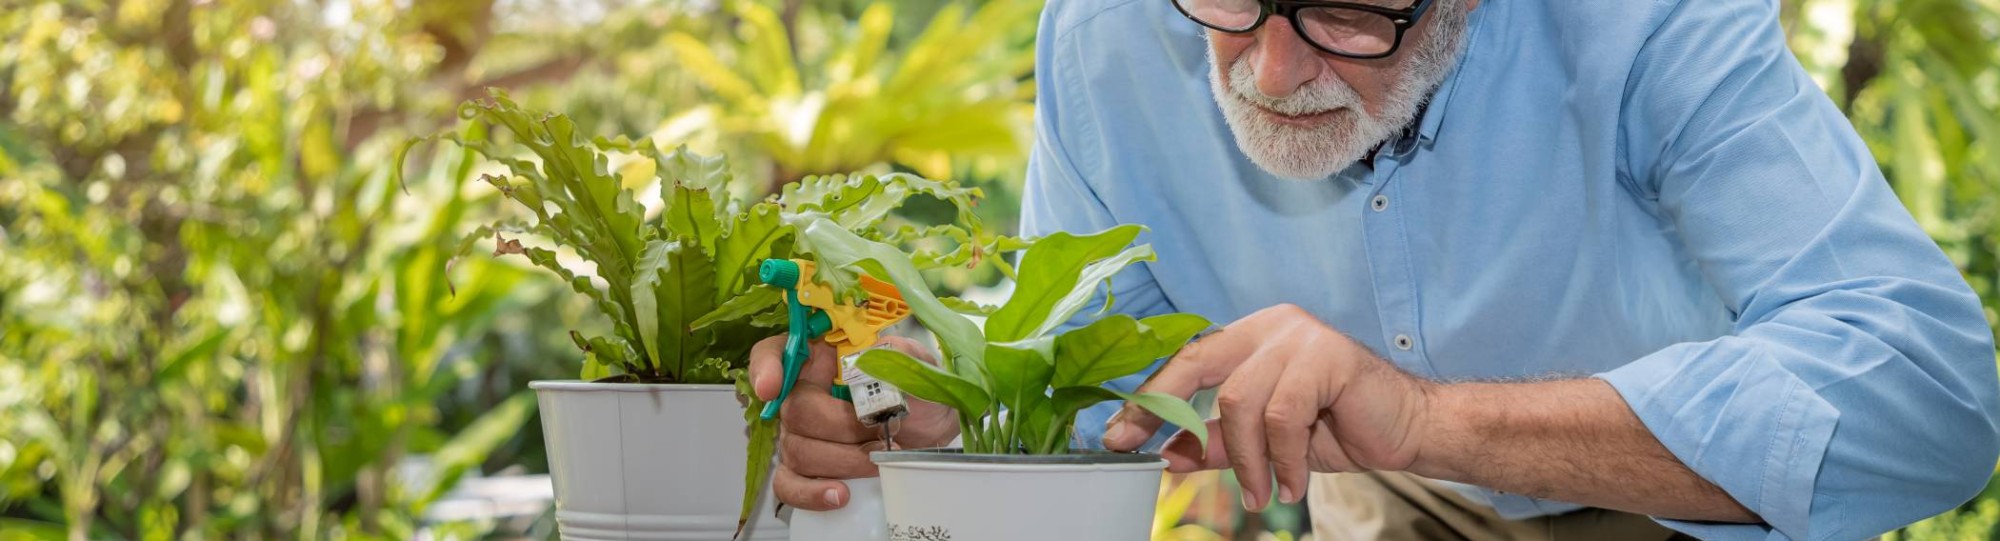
(1402, 19)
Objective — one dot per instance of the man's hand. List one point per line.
(1296, 396)
(820, 441)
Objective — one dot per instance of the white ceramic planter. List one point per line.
(941, 495)
(648, 462)
(860, 519)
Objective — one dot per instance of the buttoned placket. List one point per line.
(1389, 258)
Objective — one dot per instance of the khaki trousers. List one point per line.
(1399, 506)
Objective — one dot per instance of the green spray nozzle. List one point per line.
(805, 324)
(781, 273)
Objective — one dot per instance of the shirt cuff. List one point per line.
(1738, 418)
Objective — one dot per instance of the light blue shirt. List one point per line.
(1651, 193)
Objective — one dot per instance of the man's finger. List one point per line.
(1242, 402)
(1185, 454)
(1202, 364)
(1289, 418)
(813, 412)
(823, 459)
(807, 493)
(767, 367)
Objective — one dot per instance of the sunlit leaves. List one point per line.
(1021, 363)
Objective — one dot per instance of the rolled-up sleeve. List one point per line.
(1857, 391)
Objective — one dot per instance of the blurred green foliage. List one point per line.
(220, 319)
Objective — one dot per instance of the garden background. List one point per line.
(220, 319)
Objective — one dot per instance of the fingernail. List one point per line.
(833, 497)
(1247, 502)
(1285, 495)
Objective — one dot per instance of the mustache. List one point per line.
(1320, 95)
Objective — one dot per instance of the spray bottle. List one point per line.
(815, 312)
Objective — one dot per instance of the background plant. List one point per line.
(679, 286)
(819, 103)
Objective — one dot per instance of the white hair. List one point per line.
(1350, 130)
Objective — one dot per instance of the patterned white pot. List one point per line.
(648, 462)
(942, 495)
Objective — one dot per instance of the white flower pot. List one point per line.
(860, 519)
(942, 495)
(641, 461)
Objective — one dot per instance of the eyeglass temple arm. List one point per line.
(1417, 11)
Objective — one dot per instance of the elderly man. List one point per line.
(1513, 269)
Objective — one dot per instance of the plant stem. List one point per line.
(968, 431)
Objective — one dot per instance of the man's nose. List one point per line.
(1284, 61)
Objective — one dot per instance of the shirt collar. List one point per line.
(1431, 119)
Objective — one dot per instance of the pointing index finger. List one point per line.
(1204, 363)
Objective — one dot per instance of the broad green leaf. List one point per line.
(653, 263)
(924, 381)
(1175, 330)
(694, 171)
(1021, 372)
(615, 354)
(594, 369)
(1038, 426)
(861, 202)
(1118, 346)
(1049, 271)
(691, 213)
(838, 248)
(967, 307)
(1067, 401)
(757, 299)
(1104, 350)
(751, 237)
(828, 194)
(1095, 275)
(672, 290)
(1172, 409)
(763, 446)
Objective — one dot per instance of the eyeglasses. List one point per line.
(1340, 28)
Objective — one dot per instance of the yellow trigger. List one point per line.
(855, 327)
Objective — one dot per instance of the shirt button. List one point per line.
(1403, 342)
(1380, 203)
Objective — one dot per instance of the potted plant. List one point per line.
(1017, 385)
(654, 432)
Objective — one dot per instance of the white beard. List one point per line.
(1349, 130)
